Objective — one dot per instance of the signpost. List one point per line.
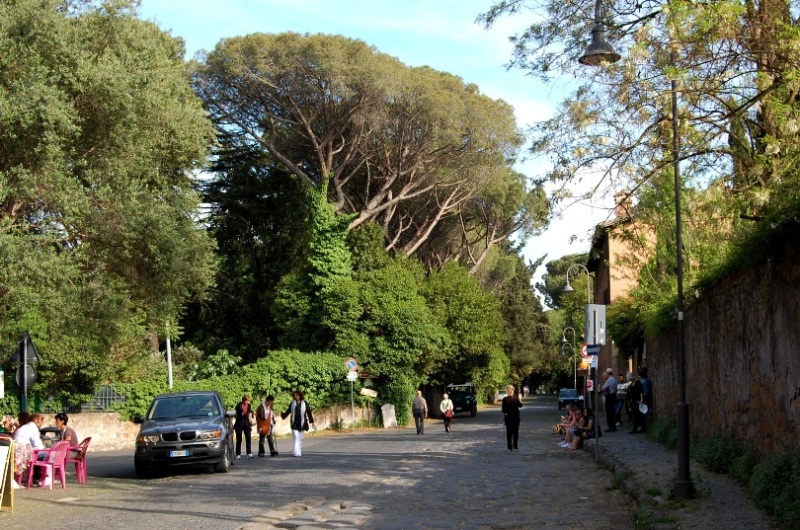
(27, 356)
(352, 374)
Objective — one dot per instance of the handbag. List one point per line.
(448, 413)
(264, 424)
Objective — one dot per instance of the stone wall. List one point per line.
(742, 362)
(109, 433)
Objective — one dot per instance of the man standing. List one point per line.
(420, 410)
(609, 392)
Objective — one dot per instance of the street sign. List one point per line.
(30, 376)
(593, 349)
(584, 353)
(351, 364)
(589, 385)
(368, 392)
(352, 376)
(25, 349)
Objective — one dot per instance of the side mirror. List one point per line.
(138, 419)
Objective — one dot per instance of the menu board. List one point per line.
(6, 473)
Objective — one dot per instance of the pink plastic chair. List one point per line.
(55, 460)
(77, 455)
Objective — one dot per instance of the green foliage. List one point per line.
(475, 325)
(405, 342)
(664, 432)
(625, 326)
(742, 467)
(555, 279)
(775, 487)
(320, 376)
(446, 194)
(99, 127)
(215, 365)
(718, 452)
(525, 325)
(316, 302)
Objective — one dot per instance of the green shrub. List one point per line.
(717, 452)
(320, 376)
(664, 432)
(775, 487)
(742, 466)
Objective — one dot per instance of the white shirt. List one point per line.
(29, 434)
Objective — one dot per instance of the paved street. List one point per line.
(388, 479)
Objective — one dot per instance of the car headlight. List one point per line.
(148, 438)
(209, 435)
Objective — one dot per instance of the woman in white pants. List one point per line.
(301, 418)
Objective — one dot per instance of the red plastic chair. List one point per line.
(55, 460)
(77, 455)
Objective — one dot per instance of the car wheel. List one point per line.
(224, 465)
(142, 471)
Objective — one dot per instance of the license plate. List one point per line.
(173, 454)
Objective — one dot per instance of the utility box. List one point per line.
(594, 324)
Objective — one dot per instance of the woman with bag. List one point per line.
(243, 425)
(265, 425)
(446, 406)
(301, 418)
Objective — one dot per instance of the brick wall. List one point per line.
(742, 358)
(109, 433)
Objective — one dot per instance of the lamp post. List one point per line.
(568, 288)
(565, 342)
(597, 52)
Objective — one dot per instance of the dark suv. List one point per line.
(464, 398)
(569, 395)
(184, 428)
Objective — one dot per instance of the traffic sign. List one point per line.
(593, 349)
(583, 350)
(351, 364)
(352, 376)
(30, 376)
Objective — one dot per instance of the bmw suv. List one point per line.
(183, 428)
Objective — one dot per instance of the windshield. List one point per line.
(169, 408)
(569, 393)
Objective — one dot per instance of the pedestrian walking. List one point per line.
(265, 424)
(511, 406)
(446, 406)
(419, 409)
(301, 418)
(243, 426)
(609, 392)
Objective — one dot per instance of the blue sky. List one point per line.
(441, 34)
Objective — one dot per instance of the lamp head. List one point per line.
(567, 288)
(599, 50)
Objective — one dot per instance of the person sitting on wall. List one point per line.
(585, 432)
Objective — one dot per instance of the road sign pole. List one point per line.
(352, 407)
(23, 400)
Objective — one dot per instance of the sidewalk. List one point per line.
(646, 471)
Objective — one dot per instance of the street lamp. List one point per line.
(593, 56)
(565, 342)
(568, 288)
(599, 51)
